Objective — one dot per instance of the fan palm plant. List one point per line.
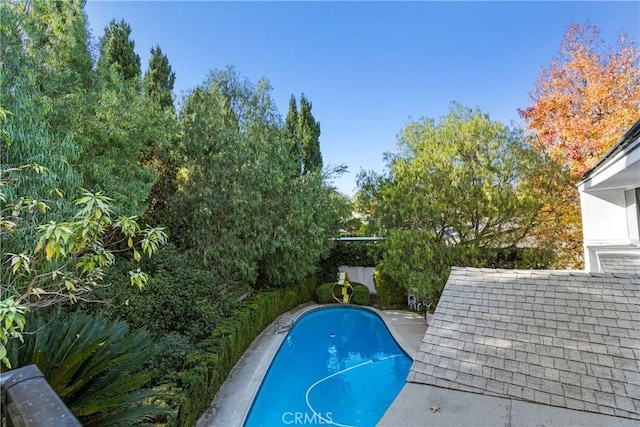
(95, 366)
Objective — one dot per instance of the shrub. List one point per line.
(171, 357)
(361, 294)
(95, 366)
(324, 293)
(208, 366)
(182, 296)
(388, 292)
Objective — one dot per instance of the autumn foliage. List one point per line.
(588, 97)
(581, 105)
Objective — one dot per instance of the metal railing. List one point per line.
(29, 401)
(283, 324)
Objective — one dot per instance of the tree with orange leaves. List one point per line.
(582, 104)
(585, 101)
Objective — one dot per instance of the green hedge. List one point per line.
(208, 366)
(360, 294)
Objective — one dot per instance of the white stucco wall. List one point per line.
(359, 274)
(604, 217)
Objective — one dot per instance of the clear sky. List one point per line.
(367, 67)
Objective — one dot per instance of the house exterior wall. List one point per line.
(604, 217)
(610, 200)
(610, 228)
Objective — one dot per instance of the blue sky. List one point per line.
(367, 67)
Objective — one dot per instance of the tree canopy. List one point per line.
(239, 201)
(587, 97)
(304, 130)
(159, 79)
(583, 102)
(459, 190)
(87, 150)
(117, 52)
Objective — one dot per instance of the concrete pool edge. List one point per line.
(232, 403)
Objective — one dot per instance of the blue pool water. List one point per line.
(337, 366)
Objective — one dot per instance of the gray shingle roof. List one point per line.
(620, 263)
(562, 338)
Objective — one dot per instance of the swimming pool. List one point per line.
(337, 366)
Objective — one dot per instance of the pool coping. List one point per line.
(233, 401)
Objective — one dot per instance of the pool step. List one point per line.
(283, 324)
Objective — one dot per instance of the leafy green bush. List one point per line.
(208, 366)
(388, 292)
(171, 356)
(181, 296)
(361, 294)
(324, 293)
(94, 366)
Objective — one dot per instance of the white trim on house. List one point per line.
(610, 203)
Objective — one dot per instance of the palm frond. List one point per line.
(95, 366)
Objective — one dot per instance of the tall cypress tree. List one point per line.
(291, 122)
(120, 130)
(117, 52)
(291, 131)
(159, 79)
(304, 131)
(309, 131)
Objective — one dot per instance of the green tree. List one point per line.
(56, 38)
(226, 156)
(240, 202)
(14, 57)
(304, 131)
(117, 52)
(459, 191)
(110, 133)
(291, 131)
(28, 141)
(308, 213)
(309, 134)
(45, 56)
(160, 155)
(159, 79)
(54, 251)
(123, 136)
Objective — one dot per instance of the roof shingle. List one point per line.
(562, 338)
(620, 263)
